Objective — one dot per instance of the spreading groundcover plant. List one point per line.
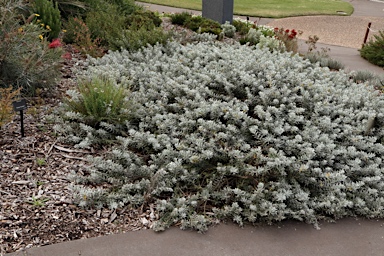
(233, 132)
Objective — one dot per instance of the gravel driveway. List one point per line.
(348, 31)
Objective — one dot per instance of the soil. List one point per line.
(36, 204)
(37, 207)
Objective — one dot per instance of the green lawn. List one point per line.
(271, 8)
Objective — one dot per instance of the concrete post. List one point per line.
(218, 10)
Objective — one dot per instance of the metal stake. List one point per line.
(367, 32)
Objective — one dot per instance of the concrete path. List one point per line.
(346, 237)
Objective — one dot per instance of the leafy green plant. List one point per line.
(143, 18)
(41, 161)
(194, 23)
(38, 202)
(48, 16)
(136, 38)
(40, 183)
(26, 60)
(70, 8)
(126, 7)
(105, 24)
(241, 27)
(180, 18)
(7, 96)
(373, 51)
(100, 100)
(203, 25)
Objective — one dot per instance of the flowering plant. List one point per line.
(55, 43)
(26, 60)
(288, 38)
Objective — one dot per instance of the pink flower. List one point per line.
(55, 43)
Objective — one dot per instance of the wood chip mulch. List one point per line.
(36, 206)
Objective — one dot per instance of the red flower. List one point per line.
(287, 31)
(67, 56)
(55, 43)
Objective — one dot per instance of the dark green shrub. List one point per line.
(70, 8)
(105, 24)
(48, 16)
(142, 18)
(194, 23)
(210, 26)
(180, 18)
(373, 51)
(241, 27)
(134, 39)
(203, 25)
(126, 7)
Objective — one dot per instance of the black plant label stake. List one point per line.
(20, 105)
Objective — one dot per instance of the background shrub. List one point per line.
(373, 51)
(70, 8)
(203, 25)
(48, 17)
(105, 24)
(180, 18)
(136, 38)
(78, 34)
(126, 7)
(142, 18)
(194, 23)
(241, 27)
(26, 60)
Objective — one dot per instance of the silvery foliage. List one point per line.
(256, 36)
(230, 131)
(228, 29)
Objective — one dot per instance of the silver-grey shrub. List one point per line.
(228, 29)
(229, 131)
